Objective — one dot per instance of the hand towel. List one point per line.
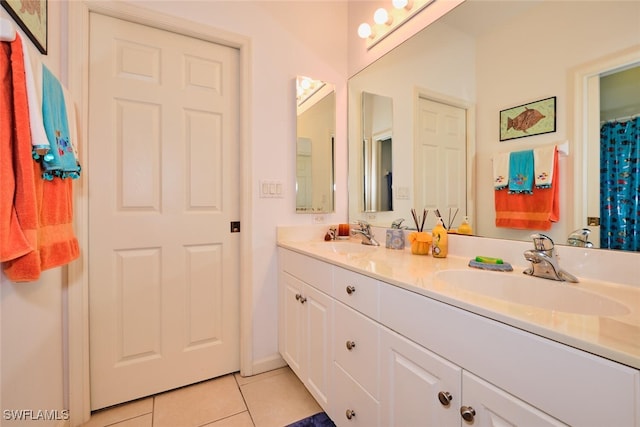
(39, 140)
(63, 162)
(521, 172)
(544, 159)
(18, 209)
(536, 211)
(500, 170)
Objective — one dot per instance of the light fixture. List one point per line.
(365, 31)
(385, 22)
(382, 17)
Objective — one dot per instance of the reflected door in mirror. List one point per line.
(440, 168)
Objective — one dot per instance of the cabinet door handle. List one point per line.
(350, 413)
(298, 296)
(467, 413)
(303, 300)
(445, 398)
(351, 289)
(351, 345)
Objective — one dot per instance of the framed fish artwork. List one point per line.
(529, 119)
(31, 16)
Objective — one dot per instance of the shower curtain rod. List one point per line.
(621, 119)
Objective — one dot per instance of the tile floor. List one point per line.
(273, 399)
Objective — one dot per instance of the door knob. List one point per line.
(467, 413)
(445, 398)
(351, 289)
(350, 413)
(351, 345)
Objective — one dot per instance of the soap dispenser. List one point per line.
(440, 242)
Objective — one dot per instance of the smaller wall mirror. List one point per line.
(377, 150)
(315, 132)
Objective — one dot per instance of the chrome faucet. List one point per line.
(365, 231)
(580, 238)
(544, 260)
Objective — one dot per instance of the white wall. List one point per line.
(31, 343)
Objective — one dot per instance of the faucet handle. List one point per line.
(542, 242)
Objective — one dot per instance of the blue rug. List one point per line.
(318, 420)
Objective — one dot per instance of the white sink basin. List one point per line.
(345, 247)
(532, 291)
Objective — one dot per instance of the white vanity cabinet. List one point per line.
(397, 358)
(305, 318)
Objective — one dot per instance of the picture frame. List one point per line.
(533, 118)
(31, 16)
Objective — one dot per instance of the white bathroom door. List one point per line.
(440, 165)
(163, 177)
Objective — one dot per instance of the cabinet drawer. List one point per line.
(352, 405)
(357, 291)
(361, 334)
(312, 271)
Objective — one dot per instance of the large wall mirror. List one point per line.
(315, 145)
(483, 57)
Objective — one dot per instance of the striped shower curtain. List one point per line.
(620, 185)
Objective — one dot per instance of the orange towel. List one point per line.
(44, 209)
(535, 211)
(18, 210)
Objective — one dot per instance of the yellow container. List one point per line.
(420, 242)
(440, 243)
(465, 227)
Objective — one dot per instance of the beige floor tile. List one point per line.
(240, 420)
(278, 400)
(126, 411)
(141, 421)
(198, 404)
(246, 380)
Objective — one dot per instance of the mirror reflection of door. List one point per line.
(440, 168)
(377, 153)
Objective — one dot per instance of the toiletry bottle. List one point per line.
(440, 242)
(465, 227)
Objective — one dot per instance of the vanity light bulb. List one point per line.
(364, 30)
(381, 16)
(402, 4)
(305, 84)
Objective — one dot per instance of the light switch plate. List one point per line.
(271, 188)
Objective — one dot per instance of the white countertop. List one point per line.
(614, 337)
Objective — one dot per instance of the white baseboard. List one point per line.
(267, 364)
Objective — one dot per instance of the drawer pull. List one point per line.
(467, 413)
(351, 289)
(350, 413)
(445, 398)
(351, 345)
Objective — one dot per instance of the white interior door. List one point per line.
(163, 176)
(440, 166)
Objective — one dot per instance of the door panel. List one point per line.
(163, 175)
